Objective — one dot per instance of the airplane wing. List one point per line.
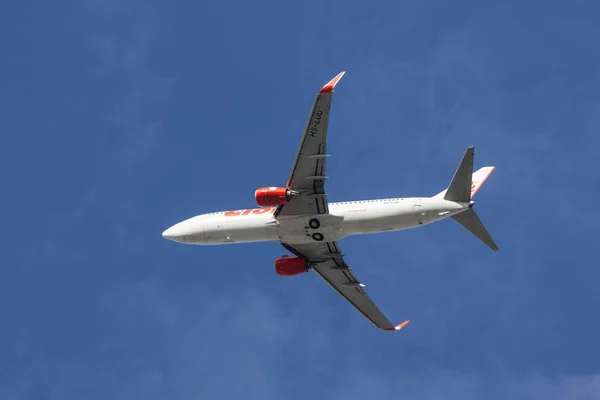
(308, 173)
(329, 264)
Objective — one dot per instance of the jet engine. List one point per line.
(272, 196)
(289, 266)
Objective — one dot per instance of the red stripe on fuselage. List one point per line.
(255, 211)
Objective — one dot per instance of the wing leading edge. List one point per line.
(329, 264)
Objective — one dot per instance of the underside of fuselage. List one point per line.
(345, 218)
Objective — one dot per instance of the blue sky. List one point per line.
(120, 118)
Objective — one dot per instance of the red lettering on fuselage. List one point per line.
(256, 211)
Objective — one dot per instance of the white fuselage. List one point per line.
(344, 218)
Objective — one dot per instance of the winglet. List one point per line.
(397, 328)
(331, 84)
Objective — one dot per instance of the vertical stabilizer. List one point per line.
(460, 187)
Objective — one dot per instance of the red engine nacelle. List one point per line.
(272, 196)
(289, 266)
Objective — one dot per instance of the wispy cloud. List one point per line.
(114, 315)
(159, 342)
(128, 121)
(355, 383)
(123, 61)
(186, 343)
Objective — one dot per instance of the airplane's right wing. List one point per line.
(329, 263)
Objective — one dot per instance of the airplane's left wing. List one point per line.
(308, 172)
(329, 263)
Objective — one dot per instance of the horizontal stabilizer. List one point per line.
(471, 222)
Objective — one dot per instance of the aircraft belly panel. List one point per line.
(304, 229)
(240, 230)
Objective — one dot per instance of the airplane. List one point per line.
(300, 217)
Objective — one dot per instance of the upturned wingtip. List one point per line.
(328, 88)
(398, 327)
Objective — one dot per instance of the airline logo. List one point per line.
(255, 211)
(479, 178)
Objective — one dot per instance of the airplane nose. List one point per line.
(171, 233)
(188, 231)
